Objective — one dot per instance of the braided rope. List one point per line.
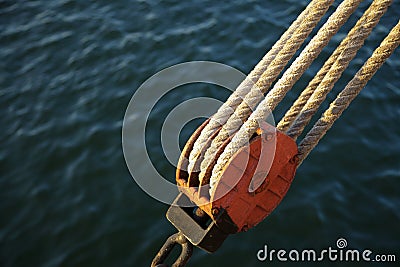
(294, 72)
(356, 41)
(257, 93)
(353, 88)
(227, 109)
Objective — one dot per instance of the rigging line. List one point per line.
(352, 89)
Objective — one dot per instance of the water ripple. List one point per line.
(68, 70)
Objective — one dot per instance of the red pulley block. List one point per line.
(251, 185)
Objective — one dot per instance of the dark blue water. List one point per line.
(68, 71)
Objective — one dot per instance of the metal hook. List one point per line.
(186, 253)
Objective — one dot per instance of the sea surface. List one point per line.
(68, 70)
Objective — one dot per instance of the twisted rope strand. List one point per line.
(298, 105)
(369, 21)
(310, 52)
(226, 110)
(257, 93)
(352, 89)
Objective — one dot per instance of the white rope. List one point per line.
(352, 89)
(310, 52)
(256, 94)
(298, 105)
(368, 23)
(226, 110)
(235, 114)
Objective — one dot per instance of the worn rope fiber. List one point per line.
(226, 110)
(298, 105)
(277, 65)
(310, 52)
(368, 23)
(301, 29)
(352, 89)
